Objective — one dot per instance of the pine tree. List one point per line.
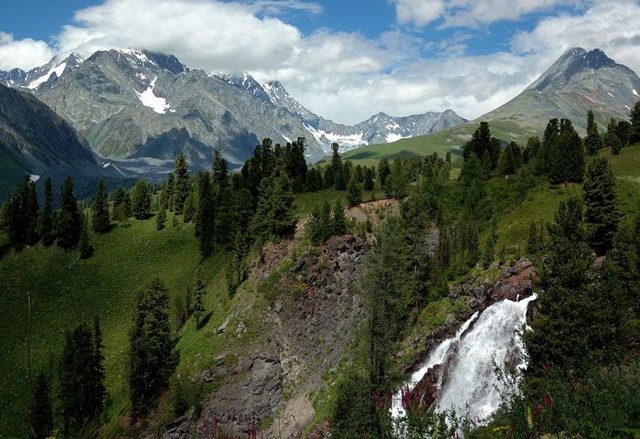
(69, 219)
(339, 181)
(18, 215)
(274, 215)
(567, 156)
(219, 170)
(86, 249)
(488, 251)
(99, 392)
(31, 215)
(100, 209)
(189, 208)
(141, 200)
(354, 192)
(161, 218)
(171, 183)
(601, 213)
(197, 306)
(205, 216)
(369, 177)
(40, 411)
(181, 186)
(46, 218)
(533, 241)
(81, 397)
(634, 132)
(121, 204)
(612, 141)
(482, 142)
(593, 142)
(396, 184)
(152, 355)
(543, 158)
(384, 169)
(339, 221)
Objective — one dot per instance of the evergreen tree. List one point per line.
(601, 213)
(531, 151)
(533, 241)
(100, 209)
(81, 395)
(189, 208)
(384, 170)
(86, 249)
(488, 251)
(99, 392)
(593, 142)
(40, 411)
(161, 218)
(197, 303)
(121, 204)
(141, 200)
(339, 182)
(205, 216)
(354, 192)
(314, 180)
(567, 156)
(612, 141)
(31, 215)
(339, 221)
(328, 177)
(623, 131)
(46, 218)
(181, 185)
(482, 142)
(369, 177)
(544, 157)
(21, 216)
(634, 132)
(69, 219)
(219, 170)
(171, 183)
(396, 183)
(274, 215)
(472, 177)
(152, 355)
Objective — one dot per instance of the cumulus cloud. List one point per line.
(469, 12)
(613, 26)
(24, 54)
(340, 75)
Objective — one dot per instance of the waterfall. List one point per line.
(468, 382)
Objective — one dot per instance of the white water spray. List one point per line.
(468, 382)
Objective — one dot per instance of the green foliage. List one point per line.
(488, 250)
(86, 249)
(384, 170)
(593, 142)
(22, 215)
(69, 218)
(141, 200)
(482, 142)
(121, 204)
(510, 159)
(354, 413)
(566, 156)
(100, 209)
(274, 214)
(152, 357)
(161, 218)
(634, 118)
(601, 212)
(82, 391)
(339, 222)
(354, 192)
(189, 207)
(181, 184)
(339, 182)
(40, 411)
(45, 222)
(396, 183)
(205, 215)
(197, 305)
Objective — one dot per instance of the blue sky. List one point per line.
(343, 59)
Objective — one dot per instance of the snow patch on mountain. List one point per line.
(149, 99)
(58, 70)
(393, 137)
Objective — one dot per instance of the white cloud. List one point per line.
(26, 53)
(469, 12)
(613, 26)
(346, 76)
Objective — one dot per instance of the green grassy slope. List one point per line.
(451, 139)
(65, 292)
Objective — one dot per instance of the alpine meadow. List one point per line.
(211, 225)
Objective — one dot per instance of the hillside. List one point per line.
(577, 82)
(34, 140)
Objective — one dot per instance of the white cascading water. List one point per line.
(468, 382)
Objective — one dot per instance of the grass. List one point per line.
(66, 291)
(627, 163)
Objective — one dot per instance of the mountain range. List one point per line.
(139, 108)
(577, 82)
